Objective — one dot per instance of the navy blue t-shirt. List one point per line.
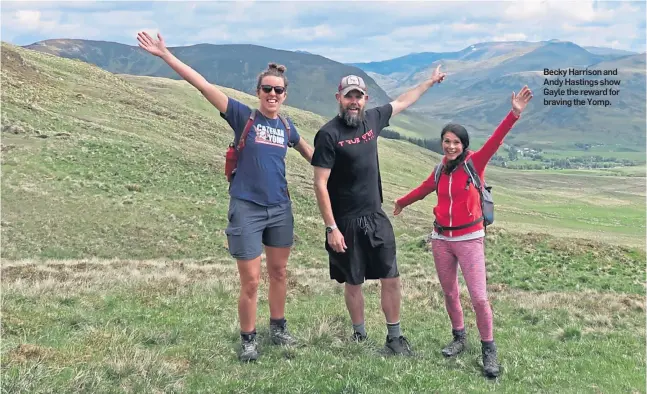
(260, 173)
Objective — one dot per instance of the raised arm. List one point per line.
(481, 157)
(422, 191)
(411, 96)
(159, 49)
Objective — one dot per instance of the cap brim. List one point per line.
(350, 89)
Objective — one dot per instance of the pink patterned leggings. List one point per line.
(471, 257)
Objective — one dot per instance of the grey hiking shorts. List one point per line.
(251, 226)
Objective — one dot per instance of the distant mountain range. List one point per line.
(476, 92)
(482, 77)
(312, 78)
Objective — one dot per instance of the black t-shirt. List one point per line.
(354, 185)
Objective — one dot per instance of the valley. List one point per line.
(116, 272)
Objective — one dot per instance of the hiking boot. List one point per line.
(398, 346)
(281, 336)
(249, 351)
(456, 346)
(490, 363)
(357, 337)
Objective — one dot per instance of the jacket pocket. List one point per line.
(442, 219)
(466, 206)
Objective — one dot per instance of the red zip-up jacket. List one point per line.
(459, 202)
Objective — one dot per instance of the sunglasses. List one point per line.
(277, 89)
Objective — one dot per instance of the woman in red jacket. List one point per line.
(458, 232)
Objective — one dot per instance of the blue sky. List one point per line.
(346, 31)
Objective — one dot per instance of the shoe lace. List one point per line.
(249, 346)
(455, 344)
(281, 331)
(490, 356)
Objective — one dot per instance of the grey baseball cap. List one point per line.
(351, 82)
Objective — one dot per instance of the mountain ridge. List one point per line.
(312, 78)
(476, 92)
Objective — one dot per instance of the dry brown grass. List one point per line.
(419, 283)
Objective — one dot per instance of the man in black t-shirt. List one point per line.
(359, 236)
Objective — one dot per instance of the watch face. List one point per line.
(328, 229)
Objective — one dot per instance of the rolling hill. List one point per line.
(115, 268)
(482, 77)
(608, 51)
(133, 130)
(313, 79)
(416, 61)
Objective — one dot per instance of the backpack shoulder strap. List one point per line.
(437, 172)
(248, 125)
(471, 172)
(287, 129)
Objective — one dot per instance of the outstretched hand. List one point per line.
(437, 76)
(519, 101)
(397, 208)
(150, 45)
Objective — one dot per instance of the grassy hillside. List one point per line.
(313, 79)
(482, 77)
(116, 272)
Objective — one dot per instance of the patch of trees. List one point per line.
(433, 144)
(513, 157)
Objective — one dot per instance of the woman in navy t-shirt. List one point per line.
(260, 210)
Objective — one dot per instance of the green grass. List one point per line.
(169, 326)
(131, 174)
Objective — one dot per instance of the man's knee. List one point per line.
(353, 290)
(390, 284)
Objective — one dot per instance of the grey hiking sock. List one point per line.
(393, 330)
(359, 328)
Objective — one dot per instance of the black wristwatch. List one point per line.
(329, 229)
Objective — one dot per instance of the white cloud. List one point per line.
(581, 11)
(28, 19)
(467, 27)
(413, 31)
(342, 30)
(115, 19)
(511, 37)
(212, 34)
(46, 23)
(309, 33)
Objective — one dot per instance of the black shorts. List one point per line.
(370, 252)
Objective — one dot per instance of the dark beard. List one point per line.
(351, 120)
